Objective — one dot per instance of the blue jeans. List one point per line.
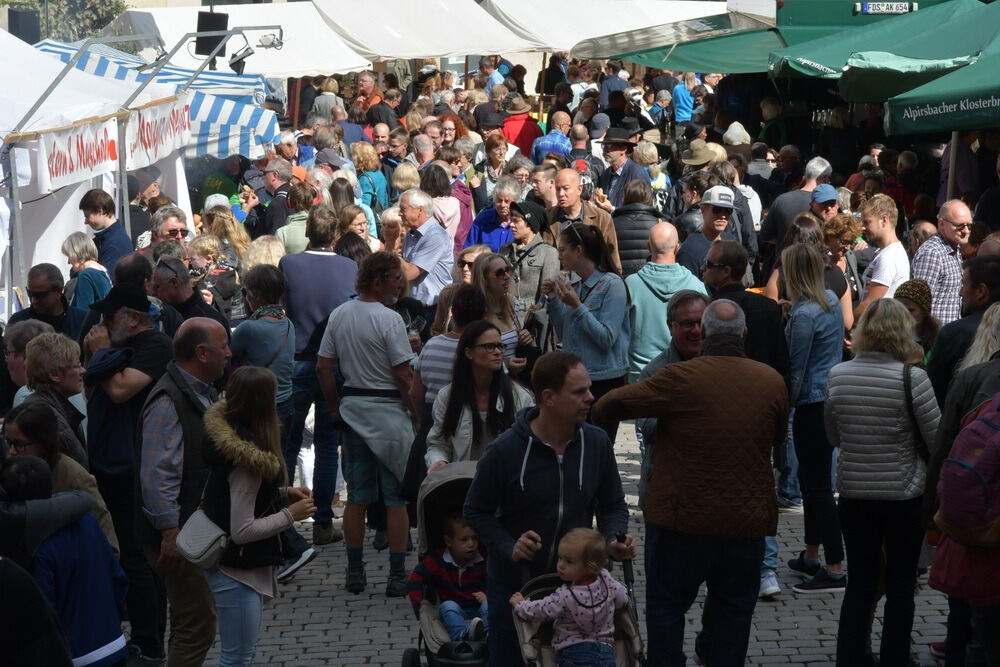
(239, 609)
(455, 617)
(770, 562)
(502, 640)
(676, 566)
(326, 438)
(787, 464)
(587, 654)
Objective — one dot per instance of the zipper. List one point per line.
(559, 516)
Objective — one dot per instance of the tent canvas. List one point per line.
(309, 46)
(548, 24)
(409, 29)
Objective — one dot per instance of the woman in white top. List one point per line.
(479, 404)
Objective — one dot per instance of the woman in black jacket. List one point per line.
(245, 496)
(632, 222)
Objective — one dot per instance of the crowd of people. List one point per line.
(423, 276)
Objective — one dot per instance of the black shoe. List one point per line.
(292, 565)
(799, 566)
(381, 541)
(396, 586)
(823, 582)
(357, 580)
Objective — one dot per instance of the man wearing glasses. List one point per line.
(169, 223)
(45, 294)
(939, 260)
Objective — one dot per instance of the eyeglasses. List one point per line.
(17, 446)
(687, 325)
(40, 295)
(490, 347)
(503, 272)
(958, 225)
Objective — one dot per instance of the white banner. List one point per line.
(77, 154)
(154, 133)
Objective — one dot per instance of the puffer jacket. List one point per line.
(632, 223)
(867, 417)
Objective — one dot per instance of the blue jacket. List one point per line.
(487, 229)
(598, 330)
(609, 84)
(374, 186)
(616, 192)
(521, 485)
(815, 345)
(79, 575)
(683, 103)
(112, 244)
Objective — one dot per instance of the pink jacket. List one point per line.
(447, 211)
(579, 613)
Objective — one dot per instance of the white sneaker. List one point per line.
(769, 585)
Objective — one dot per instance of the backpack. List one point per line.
(969, 485)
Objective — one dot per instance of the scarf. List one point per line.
(273, 310)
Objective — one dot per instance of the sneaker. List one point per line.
(823, 582)
(357, 580)
(396, 586)
(292, 565)
(800, 566)
(476, 630)
(938, 649)
(326, 534)
(786, 506)
(768, 585)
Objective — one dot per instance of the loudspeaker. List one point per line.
(24, 24)
(210, 22)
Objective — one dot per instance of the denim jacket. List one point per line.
(815, 345)
(598, 331)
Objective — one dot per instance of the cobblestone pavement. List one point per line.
(315, 622)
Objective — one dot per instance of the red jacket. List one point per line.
(521, 130)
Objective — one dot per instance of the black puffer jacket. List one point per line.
(632, 223)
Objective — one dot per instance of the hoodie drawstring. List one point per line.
(524, 463)
(583, 450)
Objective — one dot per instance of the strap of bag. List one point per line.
(281, 345)
(921, 446)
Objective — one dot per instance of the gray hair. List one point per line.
(817, 168)
(518, 162)
(417, 198)
(681, 297)
(346, 175)
(281, 167)
(467, 147)
(163, 214)
(423, 144)
(78, 247)
(508, 185)
(287, 137)
(19, 334)
(324, 137)
(447, 96)
(338, 112)
(172, 267)
(664, 96)
(723, 316)
(323, 180)
(317, 118)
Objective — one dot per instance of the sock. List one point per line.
(354, 558)
(807, 560)
(836, 575)
(397, 563)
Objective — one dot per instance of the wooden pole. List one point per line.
(297, 96)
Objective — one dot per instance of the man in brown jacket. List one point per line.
(710, 499)
(571, 208)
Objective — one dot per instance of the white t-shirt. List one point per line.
(368, 339)
(890, 267)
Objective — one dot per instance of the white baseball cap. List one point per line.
(718, 195)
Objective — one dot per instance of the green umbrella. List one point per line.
(826, 57)
(875, 76)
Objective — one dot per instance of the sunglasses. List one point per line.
(713, 265)
(40, 295)
(720, 210)
(466, 263)
(490, 347)
(169, 268)
(958, 225)
(174, 233)
(502, 272)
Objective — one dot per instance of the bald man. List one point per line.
(989, 248)
(650, 289)
(919, 233)
(938, 261)
(555, 141)
(572, 208)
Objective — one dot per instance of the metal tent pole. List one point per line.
(952, 160)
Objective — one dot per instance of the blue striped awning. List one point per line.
(226, 117)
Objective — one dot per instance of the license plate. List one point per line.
(885, 7)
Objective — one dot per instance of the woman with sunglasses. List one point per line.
(492, 274)
(590, 316)
(479, 404)
(32, 429)
(462, 274)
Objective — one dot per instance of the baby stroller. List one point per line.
(536, 638)
(442, 493)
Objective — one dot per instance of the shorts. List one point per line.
(367, 478)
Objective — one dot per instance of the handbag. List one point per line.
(201, 541)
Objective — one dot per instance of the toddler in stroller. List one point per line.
(457, 574)
(583, 610)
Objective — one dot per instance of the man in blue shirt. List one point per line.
(556, 140)
(45, 294)
(110, 236)
(493, 77)
(621, 170)
(611, 81)
(428, 251)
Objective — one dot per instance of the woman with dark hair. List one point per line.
(479, 404)
(31, 429)
(590, 316)
(435, 181)
(633, 221)
(693, 186)
(352, 246)
(246, 495)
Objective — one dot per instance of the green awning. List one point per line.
(826, 57)
(734, 53)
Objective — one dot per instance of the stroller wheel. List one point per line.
(411, 657)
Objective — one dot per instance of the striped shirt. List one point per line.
(435, 364)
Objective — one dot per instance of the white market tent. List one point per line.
(309, 47)
(558, 27)
(411, 29)
(81, 108)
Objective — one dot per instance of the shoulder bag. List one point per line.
(921, 446)
(201, 541)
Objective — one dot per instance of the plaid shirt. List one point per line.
(553, 142)
(940, 265)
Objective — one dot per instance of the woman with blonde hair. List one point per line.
(683, 100)
(815, 337)
(987, 340)
(392, 227)
(374, 189)
(219, 221)
(646, 156)
(493, 275)
(265, 249)
(880, 477)
(405, 177)
(92, 280)
(328, 98)
(462, 274)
